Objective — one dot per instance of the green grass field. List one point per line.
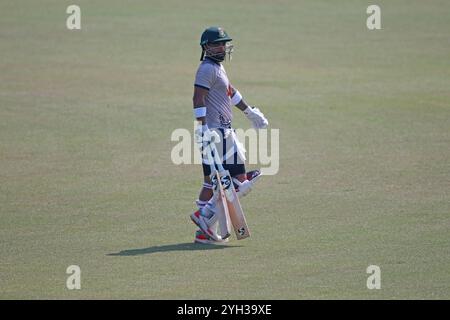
(85, 171)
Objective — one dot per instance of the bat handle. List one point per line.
(217, 159)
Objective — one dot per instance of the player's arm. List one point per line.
(237, 99)
(256, 117)
(202, 133)
(198, 100)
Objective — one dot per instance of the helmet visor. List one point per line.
(218, 51)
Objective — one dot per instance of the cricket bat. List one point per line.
(234, 208)
(235, 211)
(222, 211)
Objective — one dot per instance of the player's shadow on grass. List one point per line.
(188, 246)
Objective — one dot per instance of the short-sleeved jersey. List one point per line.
(212, 76)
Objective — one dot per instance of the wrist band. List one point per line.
(199, 112)
(236, 98)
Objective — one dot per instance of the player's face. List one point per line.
(219, 50)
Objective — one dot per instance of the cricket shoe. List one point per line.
(202, 222)
(201, 237)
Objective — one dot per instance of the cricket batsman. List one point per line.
(213, 99)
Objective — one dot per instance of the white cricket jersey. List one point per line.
(212, 76)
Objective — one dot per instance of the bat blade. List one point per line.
(223, 212)
(235, 211)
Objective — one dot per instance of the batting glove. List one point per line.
(204, 136)
(245, 187)
(256, 117)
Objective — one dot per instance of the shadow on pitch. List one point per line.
(188, 246)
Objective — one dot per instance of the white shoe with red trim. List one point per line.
(201, 237)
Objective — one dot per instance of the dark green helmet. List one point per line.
(214, 35)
